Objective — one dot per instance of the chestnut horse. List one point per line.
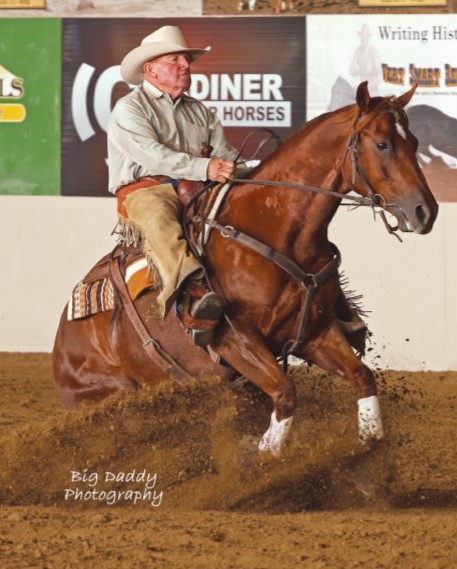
(366, 147)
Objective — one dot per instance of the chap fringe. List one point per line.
(130, 236)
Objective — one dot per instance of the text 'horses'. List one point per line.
(282, 297)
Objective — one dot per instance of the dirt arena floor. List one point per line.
(169, 478)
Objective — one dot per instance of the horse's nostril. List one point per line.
(422, 214)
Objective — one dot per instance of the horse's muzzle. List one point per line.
(416, 217)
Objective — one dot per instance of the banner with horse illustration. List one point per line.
(392, 53)
(262, 73)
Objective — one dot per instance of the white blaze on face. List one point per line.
(400, 129)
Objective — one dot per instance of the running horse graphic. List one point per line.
(268, 255)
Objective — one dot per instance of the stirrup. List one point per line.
(202, 338)
(205, 313)
(200, 313)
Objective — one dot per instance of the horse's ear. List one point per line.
(362, 96)
(406, 97)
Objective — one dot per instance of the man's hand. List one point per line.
(219, 169)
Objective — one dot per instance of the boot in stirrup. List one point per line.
(200, 312)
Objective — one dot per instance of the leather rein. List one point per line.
(308, 281)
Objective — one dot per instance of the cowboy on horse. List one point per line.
(156, 137)
(268, 255)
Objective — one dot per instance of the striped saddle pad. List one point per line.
(95, 293)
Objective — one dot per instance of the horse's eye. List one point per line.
(382, 145)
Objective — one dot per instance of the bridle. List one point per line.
(378, 203)
(374, 200)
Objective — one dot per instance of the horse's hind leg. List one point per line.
(332, 352)
(247, 353)
(84, 366)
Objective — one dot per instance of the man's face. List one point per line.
(170, 73)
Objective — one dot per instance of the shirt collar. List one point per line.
(155, 93)
(152, 91)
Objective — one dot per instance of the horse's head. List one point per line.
(384, 163)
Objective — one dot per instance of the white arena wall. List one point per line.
(410, 288)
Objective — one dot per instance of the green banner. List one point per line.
(30, 86)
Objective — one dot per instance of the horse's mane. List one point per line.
(348, 113)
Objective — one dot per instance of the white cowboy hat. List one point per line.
(365, 31)
(168, 39)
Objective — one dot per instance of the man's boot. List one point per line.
(200, 311)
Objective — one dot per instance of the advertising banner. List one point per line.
(393, 52)
(23, 4)
(30, 106)
(395, 3)
(253, 78)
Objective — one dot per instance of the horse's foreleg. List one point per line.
(275, 436)
(246, 352)
(332, 352)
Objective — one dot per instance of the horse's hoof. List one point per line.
(267, 457)
(367, 444)
(269, 448)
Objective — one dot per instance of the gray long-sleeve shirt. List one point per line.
(149, 135)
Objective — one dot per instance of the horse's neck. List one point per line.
(313, 159)
(312, 156)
